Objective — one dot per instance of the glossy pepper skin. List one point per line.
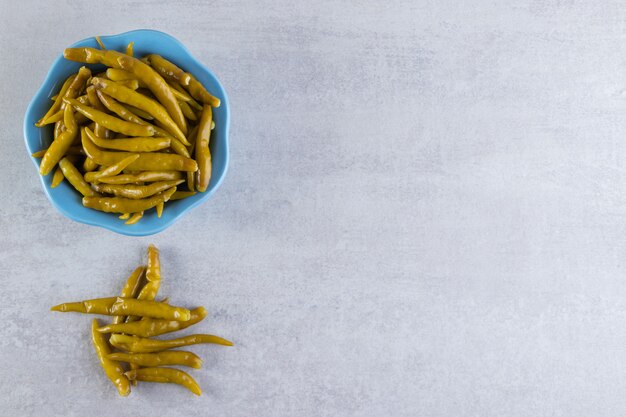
(135, 217)
(179, 195)
(75, 178)
(170, 71)
(127, 205)
(167, 69)
(134, 98)
(111, 122)
(59, 147)
(118, 108)
(112, 368)
(187, 111)
(143, 72)
(56, 106)
(200, 93)
(136, 144)
(151, 328)
(73, 90)
(153, 270)
(111, 170)
(131, 289)
(203, 153)
(118, 306)
(145, 345)
(170, 357)
(145, 176)
(135, 191)
(150, 161)
(165, 375)
(57, 177)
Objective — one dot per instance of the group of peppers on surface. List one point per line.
(143, 127)
(138, 318)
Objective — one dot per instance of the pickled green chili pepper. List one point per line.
(183, 95)
(112, 169)
(126, 205)
(116, 74)
(59, 128)
(145, 176)
(93, 99)
(134, 98)
(143, 72)
(75, 178)
(89, 165)
(135, 191)
(153, 270)
(189, 114)
(132, 84)
(55, 117)
(137, 344)
(167, 69)
(57, 178)
(148, 292)
(59, 147)
(137, 144)
(73, 90)
(151, 161)
(122, 76)
(200, 93)
(119, 109)
(135, 218)
(112, 368)
(111, 122)
(131, 289)
(165, 375)
(102, 132)
(39, 154)
(130, 49)
(179, 195)
(203, 153)
(172, 357)
(151, 327)
(119, 306)
(56, 106)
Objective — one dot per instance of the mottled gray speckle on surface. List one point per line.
(425, 213)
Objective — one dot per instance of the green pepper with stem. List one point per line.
(119, 306)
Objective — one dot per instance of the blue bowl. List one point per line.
(64, 197)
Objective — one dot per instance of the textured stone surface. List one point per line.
(425, 213)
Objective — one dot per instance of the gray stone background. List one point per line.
(425, 213)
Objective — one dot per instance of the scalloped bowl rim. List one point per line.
(118, 226)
